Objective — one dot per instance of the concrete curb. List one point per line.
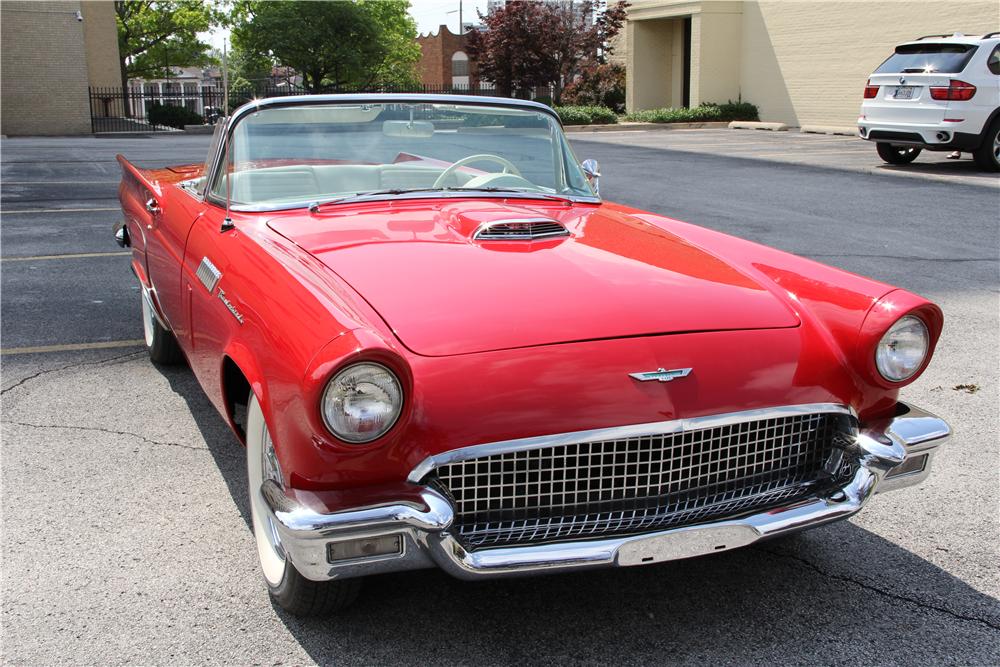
(637, 127)
(749, 125)
(829, 129)
(199, 129)
(124, 135)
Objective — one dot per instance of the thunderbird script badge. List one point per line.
(661, 374)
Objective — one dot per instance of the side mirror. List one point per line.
(592, 171)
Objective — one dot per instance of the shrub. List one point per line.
(705, 112)
(586, 115)
(603, 85)
(173, 116)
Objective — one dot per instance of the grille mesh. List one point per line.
(642, 483)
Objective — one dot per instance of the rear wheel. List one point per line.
(160, 342)
(987, 156)
(292, 591)
(897, 154)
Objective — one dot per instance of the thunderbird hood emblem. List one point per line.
(661, 374)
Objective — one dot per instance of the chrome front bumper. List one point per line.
(892, 454)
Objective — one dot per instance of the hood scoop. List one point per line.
(519, 229)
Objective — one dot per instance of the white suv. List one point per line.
(940, 93)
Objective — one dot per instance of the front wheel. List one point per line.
(987, 156)
(897, 154)
(288, 588)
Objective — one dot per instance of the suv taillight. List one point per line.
(870, 90)
(958, 91)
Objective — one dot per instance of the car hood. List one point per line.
(444, 292)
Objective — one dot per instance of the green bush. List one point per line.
(173, 116)
(578, 115)
(705, 112)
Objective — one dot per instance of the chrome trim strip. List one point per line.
(208, 274)
(620, 432)
(424, 518)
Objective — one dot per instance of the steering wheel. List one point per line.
(508, 166)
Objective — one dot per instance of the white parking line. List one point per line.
(59, 182)
(78, 255)
(72, 347)
(60, 210)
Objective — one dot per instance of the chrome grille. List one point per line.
(643, 483)
(526, 229)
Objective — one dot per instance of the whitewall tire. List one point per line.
(289, 589)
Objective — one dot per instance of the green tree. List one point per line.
(154, 35)
(357, 42)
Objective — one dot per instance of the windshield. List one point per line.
(304, 154)
(928, 58)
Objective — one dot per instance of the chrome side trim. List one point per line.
(620, 432)
(423, 517)
(208, 274)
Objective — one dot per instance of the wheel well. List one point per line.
(236, 394)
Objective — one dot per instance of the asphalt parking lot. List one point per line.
(125, 521)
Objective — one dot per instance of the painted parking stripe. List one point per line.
(73, 347)
(60, 182)
(78, 255)
(59, 210)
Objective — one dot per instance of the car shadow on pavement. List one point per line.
(818, 597)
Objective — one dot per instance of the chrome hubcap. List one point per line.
(996, 147)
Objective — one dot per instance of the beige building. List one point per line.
(50, 53)
(800, 62)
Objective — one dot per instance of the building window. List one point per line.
(460, 64)
(460, 69)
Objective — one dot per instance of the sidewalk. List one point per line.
(792, 147)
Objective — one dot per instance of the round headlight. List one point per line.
(902, 349)
(362, 402)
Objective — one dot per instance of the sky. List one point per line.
(429, 14)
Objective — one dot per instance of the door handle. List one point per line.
(152, 207)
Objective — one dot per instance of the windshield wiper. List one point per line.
(527, 193)
(360, 196)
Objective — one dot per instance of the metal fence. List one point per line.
(168, 107)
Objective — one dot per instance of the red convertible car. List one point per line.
(441, 347)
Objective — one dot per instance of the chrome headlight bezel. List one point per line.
(334, 384)
(909, 330)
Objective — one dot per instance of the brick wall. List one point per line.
(49, 60)
(44, 84)
(436, 51)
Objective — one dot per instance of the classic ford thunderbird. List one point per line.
(441, 347)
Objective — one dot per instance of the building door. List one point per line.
(686, 86)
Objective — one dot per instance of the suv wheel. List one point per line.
(987, 156)
(897, 154)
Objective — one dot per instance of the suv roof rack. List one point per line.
(929, 36)
(989, 35)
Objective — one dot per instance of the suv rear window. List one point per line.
(919, 58)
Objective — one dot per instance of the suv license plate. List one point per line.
(904, 93)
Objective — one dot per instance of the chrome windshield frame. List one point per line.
(370, 98)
